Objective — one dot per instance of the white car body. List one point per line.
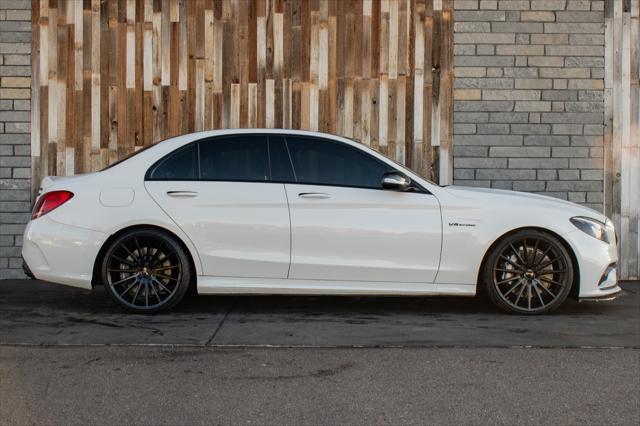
(251, 238)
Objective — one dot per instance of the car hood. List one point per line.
(510, 197)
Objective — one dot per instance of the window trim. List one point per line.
(418, 189)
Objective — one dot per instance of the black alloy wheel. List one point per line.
(146, 271)
(529, 272)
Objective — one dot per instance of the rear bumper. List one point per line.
(26, 269)
(60, 253)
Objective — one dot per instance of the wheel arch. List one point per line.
(575, 286)
(95, 279)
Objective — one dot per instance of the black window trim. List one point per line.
(147, 177)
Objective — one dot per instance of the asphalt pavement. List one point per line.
(39, 313)
(70, 356)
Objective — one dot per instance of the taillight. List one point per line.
(50, 201)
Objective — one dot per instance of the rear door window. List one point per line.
(235, 158)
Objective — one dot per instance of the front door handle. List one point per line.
(182, 194)
(314, 195)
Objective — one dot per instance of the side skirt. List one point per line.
(227, 285)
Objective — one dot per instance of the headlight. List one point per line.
(602, 231)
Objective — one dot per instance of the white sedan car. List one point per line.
(293, 212)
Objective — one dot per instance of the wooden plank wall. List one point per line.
(112, 76)
(622, 135)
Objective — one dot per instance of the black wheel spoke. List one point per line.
(546, 289)
(161, 285)
(165, 257)
(124, 261)
(129, 288)
(513, 287)
(517, 253)
(123, 280)
(133, 256)
(167, 277)
(544, 254)
(547, 280)
(512, 263)
(155, 292)
(508, 280)
(164, 268)
(540, 268)
(535, 286)
(135, 296)
(520, 294)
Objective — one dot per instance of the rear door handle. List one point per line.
(314, 195)
(182, 194)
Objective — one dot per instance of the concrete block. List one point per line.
(510, 95)
(538, 16)
(482, 15)
(479, 163)
(530, 129)
(469, 72)
(546, 140)
(470, 117)
(570, 152)
(538, 163)
(532, 106)
(489, 140)
(493, 129)
(509, 117)
(519, 151)
(587, 140)
(519, 49)
(580, 16)
(575, 28)
(506, 174)
(483, 106)
(479, 61)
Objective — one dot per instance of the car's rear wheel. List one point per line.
(146, 271)
(528, 272)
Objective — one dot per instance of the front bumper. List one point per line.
(60, 253)
(597, 262)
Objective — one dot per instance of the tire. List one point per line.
(146, 271)
(528, 272)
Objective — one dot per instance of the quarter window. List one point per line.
(241, 158)
(180, 165)
(323, 162)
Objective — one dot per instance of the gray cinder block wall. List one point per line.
(529, 98)
(15, 106)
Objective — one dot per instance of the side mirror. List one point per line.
(396, 181)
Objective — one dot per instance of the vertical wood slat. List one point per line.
(114, 75)
(622, 125)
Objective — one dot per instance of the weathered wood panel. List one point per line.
(111, 76)
(622, 135)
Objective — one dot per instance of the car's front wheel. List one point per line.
(146, 271)
(528, 272)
